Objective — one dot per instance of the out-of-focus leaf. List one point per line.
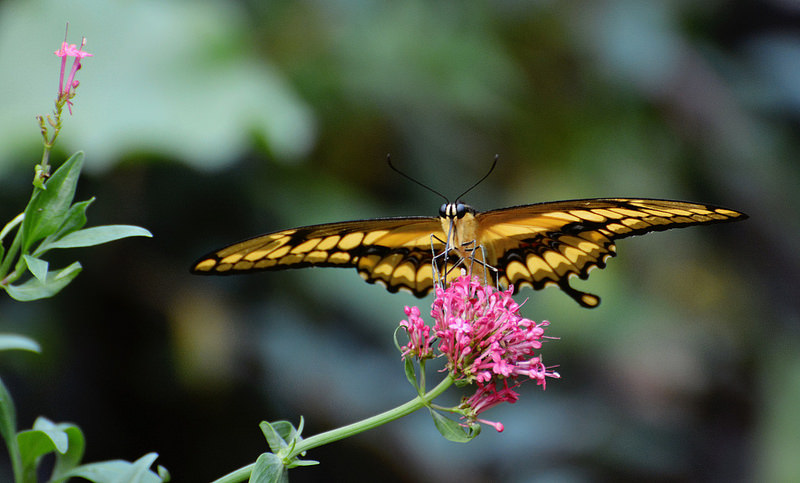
(117, 471)
(71, 458)
(45, 437)
(20, 342)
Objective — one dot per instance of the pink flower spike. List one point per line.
(66, 90)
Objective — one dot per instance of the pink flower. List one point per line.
(485, 340)
(66, 91)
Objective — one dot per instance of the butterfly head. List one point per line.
(457, 210)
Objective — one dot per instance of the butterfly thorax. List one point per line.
(459, 223)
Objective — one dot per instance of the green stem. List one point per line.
(12, 251)
(350, 430)
(241, 474)
(8, 428)
(11, 224)
(44, 166)
(373, 422)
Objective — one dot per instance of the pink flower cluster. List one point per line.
(484, 339)
(66, 91)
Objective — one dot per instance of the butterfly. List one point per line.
(530, 245)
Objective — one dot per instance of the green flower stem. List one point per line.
(373, 422)
(242, 474)
(49, 143)
(350, 430)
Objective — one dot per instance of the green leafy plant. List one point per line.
(51, 220)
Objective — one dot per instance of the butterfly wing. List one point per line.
(395, 252)
(547, 243)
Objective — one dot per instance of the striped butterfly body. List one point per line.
(530, 245)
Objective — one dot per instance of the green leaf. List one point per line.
(286, 430)
(37, 267)
(98, 235)
(65, 439)
(48, 207)
(34, 289)
(74, 220)
(411, 374)
(269, 469)
(275, 441)
(452, 430)
(117, 471)
(20, 342)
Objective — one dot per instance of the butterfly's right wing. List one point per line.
(547, 243)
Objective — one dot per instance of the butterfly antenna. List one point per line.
(496, 157)
(389, 161)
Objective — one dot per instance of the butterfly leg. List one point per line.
(472, 248)
(445, 262)
(439, 278)
(442, 265)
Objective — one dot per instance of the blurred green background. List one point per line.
(207, 122)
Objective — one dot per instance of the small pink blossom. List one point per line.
(66, 90)
(484, 339)
(487, 397)
(419, 334)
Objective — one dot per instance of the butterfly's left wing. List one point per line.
(395, 252)
(546, 243)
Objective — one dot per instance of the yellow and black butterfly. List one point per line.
(530, 245)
